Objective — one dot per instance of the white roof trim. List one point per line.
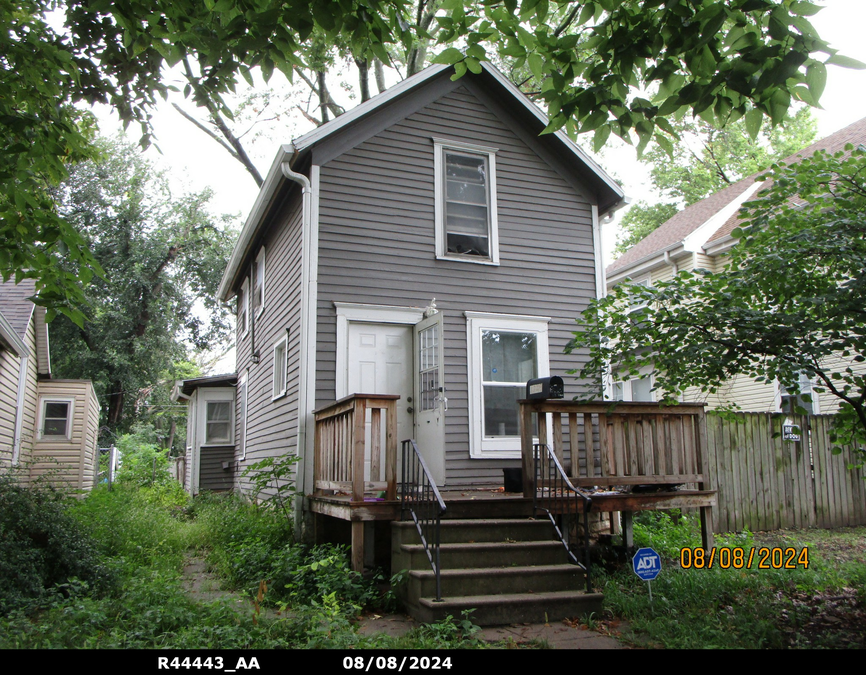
(10, 337)
(695, 241)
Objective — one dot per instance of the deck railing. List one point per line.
(420, 499)
(342, 451)
(602, 444)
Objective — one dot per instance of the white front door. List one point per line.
(380, 362)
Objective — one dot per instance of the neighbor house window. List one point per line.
(281, 357)
(243, 308)
(259, 283)
(218, 423)
(56, 418)
(504, 352)
(465, 184)
(638, 303)
(636, 389)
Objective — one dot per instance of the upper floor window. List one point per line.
(466, 219)
(243, 308)
(259, 282)
(56, 418)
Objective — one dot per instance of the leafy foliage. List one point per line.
(790, 301)
(163, 255)
(274, 478)
(592, 59)
(706, 160)
(45, 553)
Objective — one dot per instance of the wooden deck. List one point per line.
(607, 451)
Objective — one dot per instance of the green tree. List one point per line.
(592, 58)
(706, 160)
(790, 302)
(163, 255)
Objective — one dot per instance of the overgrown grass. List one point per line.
(137, 538)
(739, 608)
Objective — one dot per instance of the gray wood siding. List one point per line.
(212, 476)
(377, 246)
(272, 424)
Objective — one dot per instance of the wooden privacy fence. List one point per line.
(767, 483)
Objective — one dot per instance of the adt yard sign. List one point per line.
(647, 564)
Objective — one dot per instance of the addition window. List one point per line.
(259, 283)
(504, 352)
(243, 308)
(466, 219)
(242, 414)
(56, 418)
(218, 423)
(281, 357)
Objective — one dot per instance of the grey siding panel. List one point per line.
(377, 246)
(272, 424)
(212, 476)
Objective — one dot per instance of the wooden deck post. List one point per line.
(705, 468)
(628, 529)
(526, 450)
(391, 450)
(358, 546)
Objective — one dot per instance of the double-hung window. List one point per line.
(281, 365)
(218, 423)
(466, 219)
(243, 308)
(56, 418)
(504, 352)
(635, 389)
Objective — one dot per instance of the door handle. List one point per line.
(410, 409)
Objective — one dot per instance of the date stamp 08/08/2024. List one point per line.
(764, 558)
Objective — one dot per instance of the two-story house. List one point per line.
(428, 244)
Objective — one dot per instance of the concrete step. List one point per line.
(497, 580)
(485, 554)
(492, 610)
(468, 531)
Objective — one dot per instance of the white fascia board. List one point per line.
(579, 152)
(266, 193)
(10, 337)
(644, 265)
(695, 241)
(720, 246)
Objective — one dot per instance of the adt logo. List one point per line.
(647, 564)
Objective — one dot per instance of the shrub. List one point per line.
(142, 463)
(43, 551)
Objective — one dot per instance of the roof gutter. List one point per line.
(9, 338)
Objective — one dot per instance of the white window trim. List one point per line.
(777, 397)
(627, 393)
(215, 396)
(648, 283)
(43, 401)
(481, 447)
(440, 145)
(245, 415)
(245, 295)
(350, 312)
(260, 270)
(284, 364)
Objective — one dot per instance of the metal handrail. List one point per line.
(559, 487)
(420, 497)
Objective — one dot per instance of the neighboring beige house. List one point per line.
(697, 237)
(47, 427)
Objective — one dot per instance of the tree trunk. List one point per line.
(363, 78)
(323, 95)
(380, 75)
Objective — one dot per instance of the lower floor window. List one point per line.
(56, 418)
(505, 351)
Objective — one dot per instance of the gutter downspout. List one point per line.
(674, 267)
(306, 312)
(19, 410)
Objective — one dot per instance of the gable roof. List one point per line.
(674, 231)
(297, 153)
(15, 313)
